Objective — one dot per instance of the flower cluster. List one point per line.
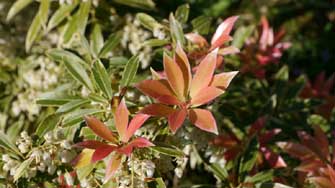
(46, 158)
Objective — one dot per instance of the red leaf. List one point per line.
(176, 119)
(159, 90)
(160, 110)
(205, 96)
(135, 124)
(223, 80)
(102, 152)
(100, 129)
(121, 119)
(203, 119)
(321, 182)
(90, 144)
(274, 160)
(204, 73)
(184, 65)
(136, 143)
(175, 77)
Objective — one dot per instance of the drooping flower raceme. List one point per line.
(180, 94)
(120, 145)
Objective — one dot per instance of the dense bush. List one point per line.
(137, 93)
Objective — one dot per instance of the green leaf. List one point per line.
(47, 124)
(201, 24)
(129, 71)
(241, 34)
(118, 61)
(168, 151)
(176, 31)
(102, 79)
(17, 7)
(61, 13)
(182, 13)
(77, 116)
(71, 105)
(22, 169)
(142, 4)
(218, 171)
(39, 21)
(272, 185)
(14, 129)
(6, 143)
(260, 177)
(147, 21)
(83, 172)
(78, 22)
(283, 73)
(160, 183)
(112, 41)
(96, 39)
(155, 42)
(74, 65)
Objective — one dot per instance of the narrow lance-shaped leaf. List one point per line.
(7, 144)
(201, 24)
(96, 39)
(77, 23)
(142, 4)
(47, 124)
(176, 31)
(147, 21)
(112, 41)
(74, 65)
(61, 13)
(19, 172)
(17, 7)
(129, 71)
(39, 20)
(102, 79)
(182, 13)
(168, 151)
(73, 104)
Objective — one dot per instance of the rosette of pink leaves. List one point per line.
(220, 37)
(234, 146)
(121, 145)
(321, 88)
(317, 160)
(180, 94)
(267, 49)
